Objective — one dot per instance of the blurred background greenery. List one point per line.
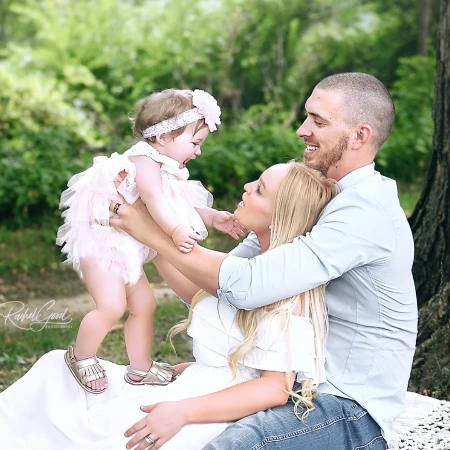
(71, 72)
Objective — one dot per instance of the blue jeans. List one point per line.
(335, 424)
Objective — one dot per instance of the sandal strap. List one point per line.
(88, 369)
(161, 372)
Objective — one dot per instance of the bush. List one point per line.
(44, 139)
(239, 154)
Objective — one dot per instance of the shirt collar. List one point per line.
(356, 176)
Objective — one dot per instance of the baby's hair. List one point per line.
(301, 197)
(160, 106)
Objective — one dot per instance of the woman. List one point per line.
(249, 351)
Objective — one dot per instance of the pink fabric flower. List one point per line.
(207, 106)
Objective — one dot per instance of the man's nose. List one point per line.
(303, 130)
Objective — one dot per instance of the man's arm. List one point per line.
(352, 232)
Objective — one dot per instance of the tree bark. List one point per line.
(430, 224)
(425, 11)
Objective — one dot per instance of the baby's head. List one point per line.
(169, 112)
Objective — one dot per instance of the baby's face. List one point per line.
(186, 146)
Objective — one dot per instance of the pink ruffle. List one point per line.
(86, 231)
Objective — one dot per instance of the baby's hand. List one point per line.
(184, 238)
(224, 221)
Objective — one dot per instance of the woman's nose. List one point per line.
(198, 152)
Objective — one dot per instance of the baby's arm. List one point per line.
(221, 220)
(149, 186)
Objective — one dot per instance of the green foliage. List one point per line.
(43, 140)
(406, 153)
(71, 74)
(241, 153)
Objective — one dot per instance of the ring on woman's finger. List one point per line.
(149, 440)
(116, 208)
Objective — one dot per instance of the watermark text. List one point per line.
(21, 316)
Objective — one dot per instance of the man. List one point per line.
(362, 246)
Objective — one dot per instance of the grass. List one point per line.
(19, 349)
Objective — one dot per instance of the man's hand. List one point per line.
(224, 221)
(184, 238)
(163, 421)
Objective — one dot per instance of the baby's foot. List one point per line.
(88, 372)
(159, 374)
(134, 375)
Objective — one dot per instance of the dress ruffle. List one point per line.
(86, 231)
(215, 331)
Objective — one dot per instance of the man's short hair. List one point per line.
(365, 100)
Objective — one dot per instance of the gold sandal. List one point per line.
(85, 370)
(160, 374)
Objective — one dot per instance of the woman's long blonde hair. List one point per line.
(302, 195)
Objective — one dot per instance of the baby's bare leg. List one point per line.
(139, 325)
(108, 292)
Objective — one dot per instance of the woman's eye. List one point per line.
(258, 189)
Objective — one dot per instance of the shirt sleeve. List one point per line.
(248, 248)
(351, 232)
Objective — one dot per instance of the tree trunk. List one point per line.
(430, 224)
(425, 11)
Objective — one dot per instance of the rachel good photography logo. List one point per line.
(21, 316)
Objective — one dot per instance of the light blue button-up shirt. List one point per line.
(362, 245)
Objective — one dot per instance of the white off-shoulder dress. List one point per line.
(47, 409)
(86, 231)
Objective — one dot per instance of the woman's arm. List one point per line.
(165, 419)
(201, 265)
(183, 287)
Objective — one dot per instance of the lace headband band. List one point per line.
(205, 107)
(174, 123)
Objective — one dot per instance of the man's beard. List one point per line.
(330, 158)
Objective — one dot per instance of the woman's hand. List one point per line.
(224, 221)
(135, 220)
(163, 421)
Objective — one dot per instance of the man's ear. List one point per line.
(363, 133)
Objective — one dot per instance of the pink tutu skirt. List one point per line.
(86, 231)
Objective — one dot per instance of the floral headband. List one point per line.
(205, 107)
